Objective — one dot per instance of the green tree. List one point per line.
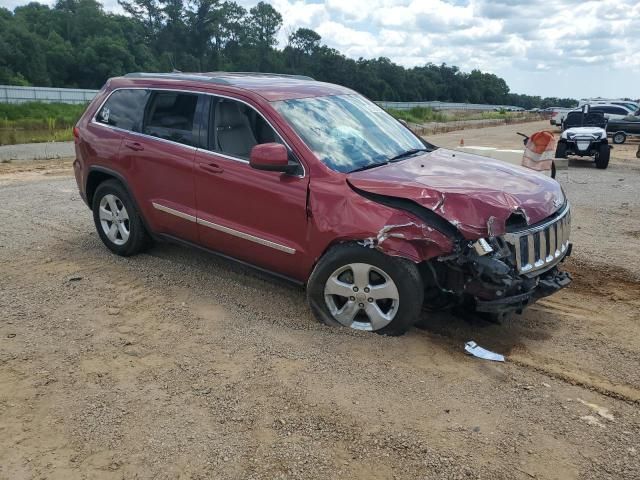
(305, 40)
(77, 44)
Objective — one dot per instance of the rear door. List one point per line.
(101, 139)
(160, 156)
(255, 216)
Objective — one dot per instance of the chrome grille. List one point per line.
(542, 246)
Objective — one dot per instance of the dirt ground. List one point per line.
(179, 365)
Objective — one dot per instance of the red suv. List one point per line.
(313, 182)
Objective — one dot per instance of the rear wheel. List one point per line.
(561, 150)
(117, 221)
(364, 289)
(602, 156)
(619, 138)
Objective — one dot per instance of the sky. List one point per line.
(560, 48)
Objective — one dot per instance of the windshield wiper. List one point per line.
(367, 167)
(408, 153)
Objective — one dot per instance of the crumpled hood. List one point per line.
(477, 194)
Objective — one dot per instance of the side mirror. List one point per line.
(272, 157)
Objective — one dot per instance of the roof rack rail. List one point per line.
(261, 74)
(177, 76)
(213, 77)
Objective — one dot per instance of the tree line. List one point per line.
(77, 44)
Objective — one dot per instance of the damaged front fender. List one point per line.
(412, 240)
(379, 222)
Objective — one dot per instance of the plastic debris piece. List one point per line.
(591, 420)
(472, 348)
(602, 411)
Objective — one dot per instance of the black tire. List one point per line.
(561, 150)
(138, 239)
(619, 138)
(402, 272)
(602, 156)
(553, 169)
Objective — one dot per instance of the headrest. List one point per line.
(228, 115)
(165, 101)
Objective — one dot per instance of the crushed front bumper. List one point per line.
(548, 283)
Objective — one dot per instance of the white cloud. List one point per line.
(344, 36)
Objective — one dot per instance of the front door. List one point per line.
(255, 216)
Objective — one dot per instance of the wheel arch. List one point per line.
(98, 175)
(411, 232)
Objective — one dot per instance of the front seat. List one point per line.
(233, 131)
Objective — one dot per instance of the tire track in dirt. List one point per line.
(591, 289)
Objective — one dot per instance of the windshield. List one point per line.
(347, 132)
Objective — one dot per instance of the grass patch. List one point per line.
(419, 115)
(17, 136)
(425, 115)
(35, 122)
(40, 115)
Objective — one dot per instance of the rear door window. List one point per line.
(124, 109)
(170, 115)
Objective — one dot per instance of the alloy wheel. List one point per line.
(114, 219)
(362, 297)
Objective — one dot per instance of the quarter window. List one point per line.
(124, 109)
(170, 116)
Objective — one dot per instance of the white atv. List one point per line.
(585, 135)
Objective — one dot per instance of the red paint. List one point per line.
(269, 205)
(465, 189)
(269, 156)
(306, 213)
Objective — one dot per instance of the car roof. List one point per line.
(270, 86)
(594, 105)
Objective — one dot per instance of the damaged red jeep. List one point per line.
(315, 183)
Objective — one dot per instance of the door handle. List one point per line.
(211, 167)
(134, 146)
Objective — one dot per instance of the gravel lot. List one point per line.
(176, 364)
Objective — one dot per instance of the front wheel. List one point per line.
(364, 289)
(602, 156)
(561, 150)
